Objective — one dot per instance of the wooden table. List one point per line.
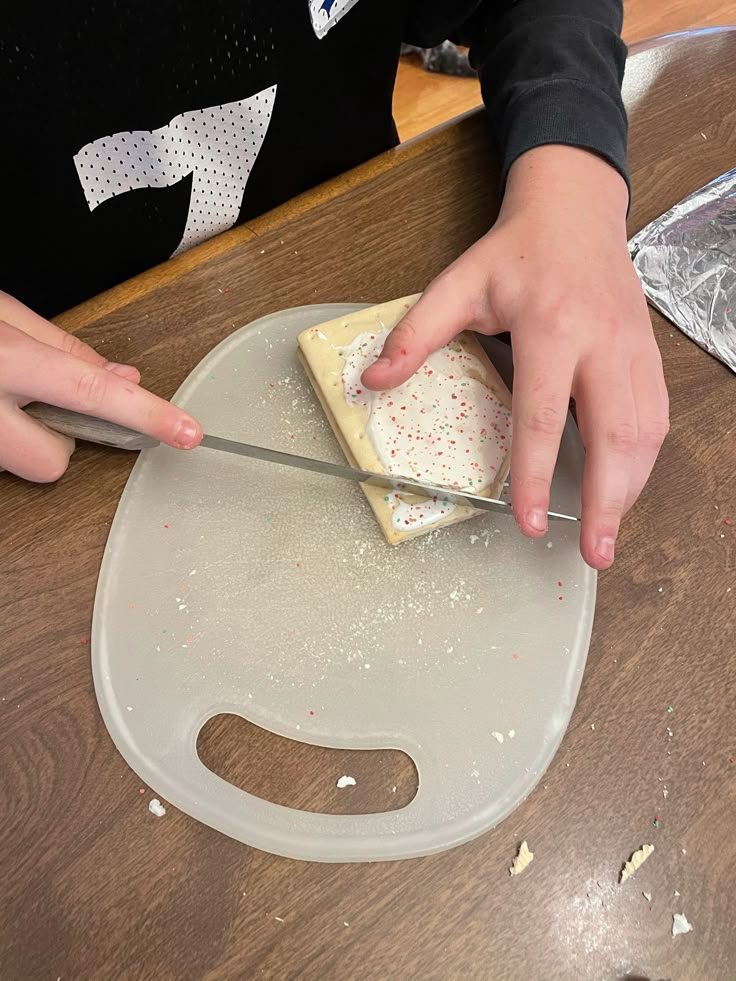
(97, 888)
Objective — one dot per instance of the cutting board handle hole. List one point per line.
(302, 776)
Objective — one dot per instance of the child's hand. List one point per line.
(39, 362)
(555, 272)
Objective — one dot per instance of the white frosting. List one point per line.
(443, 426)
(406, 516)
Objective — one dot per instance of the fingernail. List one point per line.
(605, 548)
(537, 519)
(126, 370)
(186, 435)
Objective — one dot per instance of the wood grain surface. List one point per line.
(95, 887)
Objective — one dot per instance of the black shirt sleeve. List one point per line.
(551, 72)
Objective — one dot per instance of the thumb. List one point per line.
(435, 319)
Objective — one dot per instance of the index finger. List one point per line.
(61, 379)
(541, 396)
(432, 322)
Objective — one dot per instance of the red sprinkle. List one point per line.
(728, 521)
(516, 657)
(311, 712)
(84, 640)
(732, 759)
(142, 790)
(166, 526)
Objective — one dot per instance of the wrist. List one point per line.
(553, 178)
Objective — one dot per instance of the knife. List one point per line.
(93, 430)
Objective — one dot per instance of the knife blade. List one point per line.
(80, 426)
(396, 484)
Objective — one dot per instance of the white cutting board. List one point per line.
(298, 617)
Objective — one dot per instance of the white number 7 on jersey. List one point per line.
(218, 146)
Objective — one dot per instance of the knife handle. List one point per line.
(92, 430)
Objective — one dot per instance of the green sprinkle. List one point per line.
(670, 708)
(163, 631)
(656, 823)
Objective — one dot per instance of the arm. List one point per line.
(39, 362)
(555, 271)
(551, 72)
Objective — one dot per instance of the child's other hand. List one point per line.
(39, 362)
(555, 272)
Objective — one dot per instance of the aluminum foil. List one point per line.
(686, 261)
